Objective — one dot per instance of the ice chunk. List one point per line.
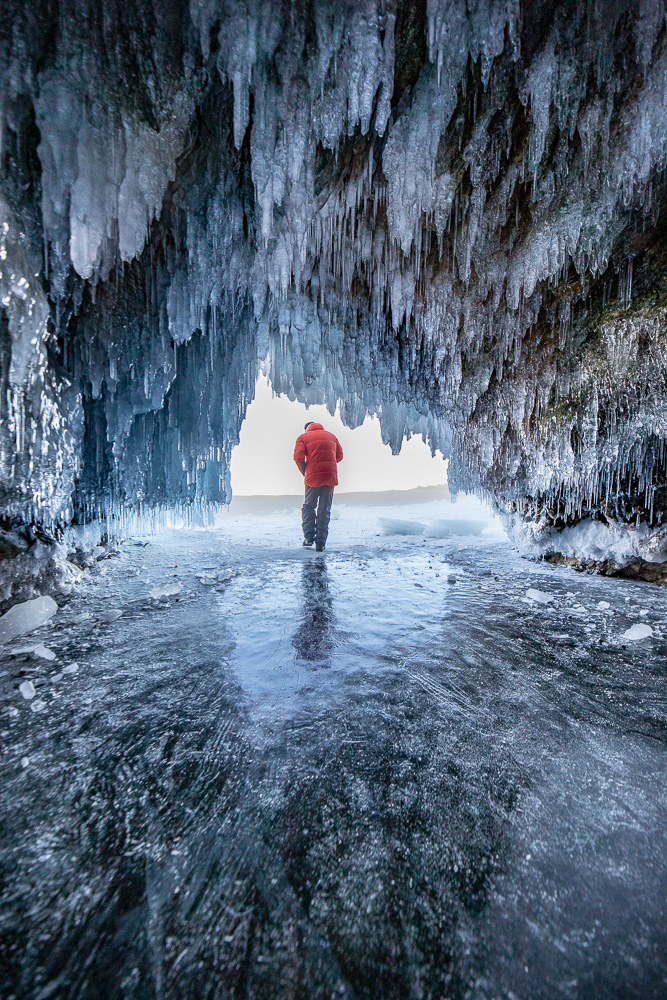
(438, 529)
(84, 616)
(25, 761)
(112, 615)
(539, 596)
(26, 617)
(72, 668)
(38, 705)
(27, 689)
(602, 605)
(636, 632)
(44, 652)
(391, 526)
(165, 590)
(455, 526)
(225, 575)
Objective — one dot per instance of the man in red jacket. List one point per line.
(317, 453)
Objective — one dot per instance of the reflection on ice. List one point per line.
(337, 775)
(313, 639)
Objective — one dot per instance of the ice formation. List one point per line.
(636, 632)
(446, 212)
(26, 617)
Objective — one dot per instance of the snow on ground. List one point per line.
(413, 759)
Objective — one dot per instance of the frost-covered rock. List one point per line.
(11, 544)
(41, 569)
(591, 540)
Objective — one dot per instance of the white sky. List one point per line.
(262, 463)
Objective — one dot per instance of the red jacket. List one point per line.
(319, 451)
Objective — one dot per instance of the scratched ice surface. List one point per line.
(384, 772)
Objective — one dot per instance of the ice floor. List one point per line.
(255, 772)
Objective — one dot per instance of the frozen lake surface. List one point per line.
(251, 771)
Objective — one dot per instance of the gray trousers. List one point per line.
(316, 512)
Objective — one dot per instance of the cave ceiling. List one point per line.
(448, 213)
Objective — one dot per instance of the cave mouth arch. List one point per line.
(261, 463)
(478, 258)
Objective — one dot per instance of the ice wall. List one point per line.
(445, 212)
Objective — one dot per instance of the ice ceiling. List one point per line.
(447, 212)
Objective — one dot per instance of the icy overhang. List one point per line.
(444, 212)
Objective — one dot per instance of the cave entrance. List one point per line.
(262, 465)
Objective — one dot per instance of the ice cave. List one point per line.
(428, 762)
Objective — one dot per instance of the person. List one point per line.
(317, 453)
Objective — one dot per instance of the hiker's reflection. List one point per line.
(313, 640)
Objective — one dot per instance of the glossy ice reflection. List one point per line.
(338, 776)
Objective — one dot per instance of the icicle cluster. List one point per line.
(445, 212)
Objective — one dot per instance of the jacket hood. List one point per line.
(315, 427)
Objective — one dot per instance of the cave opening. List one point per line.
(261, 464)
